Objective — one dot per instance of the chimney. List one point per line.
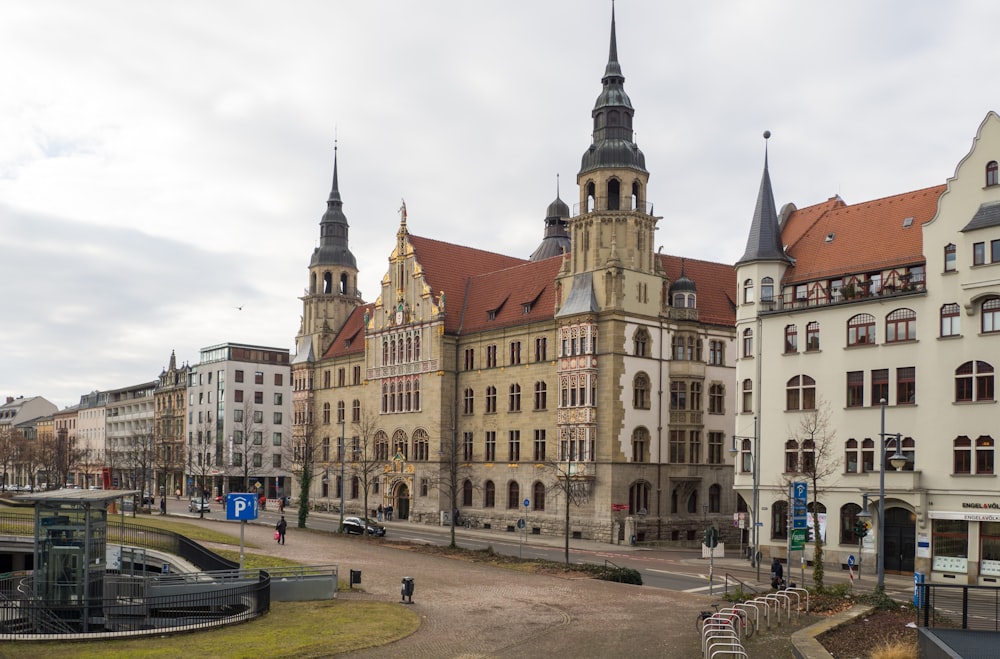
(10, 399)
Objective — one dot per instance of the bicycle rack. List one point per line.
(741, 622)
(728, 649)
(746, 606)
(722, 634)
(798, 602)
(771, 599)
(782, 595)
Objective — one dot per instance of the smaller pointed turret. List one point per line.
(764, 242)
(556, 240)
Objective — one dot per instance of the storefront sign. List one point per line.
(969, 516)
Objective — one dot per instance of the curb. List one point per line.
(804, 643)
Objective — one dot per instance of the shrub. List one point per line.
(896, 650)
(621, 575)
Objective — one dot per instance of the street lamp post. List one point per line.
(898, 461)
(754, 553)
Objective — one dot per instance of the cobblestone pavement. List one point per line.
(469, 611)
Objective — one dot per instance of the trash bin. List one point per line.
(918, 590)
(355, 578)
(406, 591)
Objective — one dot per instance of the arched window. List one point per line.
(468, 401)
(640, 391)
(848, 519)
(692, 505)
(791, 339)
(901, 325)
(991, 173)
(355, 411)
(962, 454)
(779, 520)
(538, 496)
(640, 343)
(748, 342)
(416, 348)
(851, 456)
(991, 315)
(747, 395)
(812, 336)
(466, 493)
(951, 324)
(973, 382)
(326, 413)
(695, 396)
(381, 446)
(540, 395)
(638, 498)
(399, 444)
(421, 445)
(984, 454)
(715, 498)
(766, 289)
(950, 257)
(861, 330)
(748, 291)
(340, 411)
(791, 456)
(716, 399)
(489, 494)
(800, 393)
(640, 445)
(514, 399)
(513, 495)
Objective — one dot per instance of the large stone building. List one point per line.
(878, 327)
(169, 446)
(496, 384)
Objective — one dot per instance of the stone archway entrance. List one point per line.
(900, 540)
(401, 502)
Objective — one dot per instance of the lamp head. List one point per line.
(898, 460)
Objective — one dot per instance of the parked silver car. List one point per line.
(200, 505)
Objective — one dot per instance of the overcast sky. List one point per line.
(164, 163)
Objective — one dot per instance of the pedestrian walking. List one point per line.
(380, 510)
(388, 513)
(163, 505)
(280, 528)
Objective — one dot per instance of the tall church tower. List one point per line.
(612, 233)
(333, 275)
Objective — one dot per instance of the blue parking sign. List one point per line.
(241, 506)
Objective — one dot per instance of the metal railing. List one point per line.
(126, 608)
(957, 605)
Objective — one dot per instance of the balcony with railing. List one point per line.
(793, 298)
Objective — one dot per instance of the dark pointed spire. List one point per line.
(613, 142)
(333, 246)
(764, 242)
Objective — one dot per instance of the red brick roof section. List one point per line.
(351, 339)
(716, 284)
(832, 239)
(448, 267)
(518, 295)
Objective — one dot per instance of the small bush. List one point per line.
(621, 575)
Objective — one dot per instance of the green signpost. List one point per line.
(798, 539)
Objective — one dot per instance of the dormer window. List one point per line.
(991, 173)
(526, 308)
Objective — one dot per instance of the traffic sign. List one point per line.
(798, 539)
(527, 502)
(241, 506)
(850, 561)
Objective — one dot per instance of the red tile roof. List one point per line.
(716, 284)
(478, 284)
(834, 238)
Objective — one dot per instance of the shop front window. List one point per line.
(951, 545)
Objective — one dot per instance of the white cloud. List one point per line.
(162, 163)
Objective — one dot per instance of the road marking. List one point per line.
(700, 589)
(700, 577)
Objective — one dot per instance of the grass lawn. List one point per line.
(291, 629)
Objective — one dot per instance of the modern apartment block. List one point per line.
(869, 331)
(239, 424)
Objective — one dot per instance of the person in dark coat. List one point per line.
(777, 574)
(280, 528)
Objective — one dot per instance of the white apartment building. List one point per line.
(239, 421)
(843, 306)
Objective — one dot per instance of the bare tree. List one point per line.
(246, 444)
(366, 464)
(199, 461)
(820, 460)
(574, 491)
(28, 456)
(8, 453)
(137, 462)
